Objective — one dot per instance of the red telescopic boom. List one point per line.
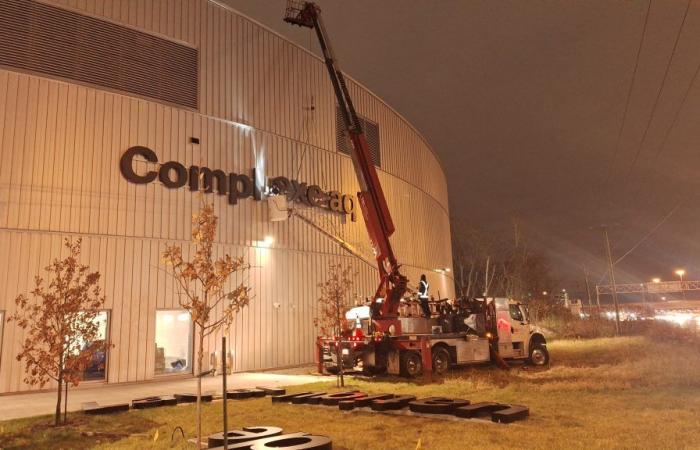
(392, 285)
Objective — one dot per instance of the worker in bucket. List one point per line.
(423, 296)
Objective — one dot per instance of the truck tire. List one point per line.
(539, 355)
(441, 360)
(411, 364)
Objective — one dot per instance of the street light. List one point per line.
(656, 280)
(680, 273)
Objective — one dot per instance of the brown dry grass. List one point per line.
(602, 393)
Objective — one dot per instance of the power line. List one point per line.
(678, 112)
(652, 231)
(647, 235)
(658, 93)
(627, 103)
(669, 130)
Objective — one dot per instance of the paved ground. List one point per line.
(34, 404)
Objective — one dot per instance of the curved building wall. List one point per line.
(262, 102)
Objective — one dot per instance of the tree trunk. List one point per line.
(57, 417)
(339, 358)
(65, 406)
(200, 360)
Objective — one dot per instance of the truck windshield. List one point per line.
(515, 313)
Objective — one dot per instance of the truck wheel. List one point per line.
(441, 360)
(411, 364)
(539, 355)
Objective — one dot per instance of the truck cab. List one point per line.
(518, 338)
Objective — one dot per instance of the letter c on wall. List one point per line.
(126, 164)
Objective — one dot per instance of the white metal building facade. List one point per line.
(198, 84)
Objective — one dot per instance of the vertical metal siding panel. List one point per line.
(227, 74)
(36, 207)
(136, 336)
(55, 184)
(105, 202)
(14, 171)
(94, 201)
(119, 140)
(179, 201)
(121, 309)
(130, 295)
(6, 132)
(77, 163)
(111, 303)
(18, 283)
(26, 168)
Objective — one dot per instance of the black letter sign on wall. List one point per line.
(180, 175)
(173, 175)
(126, 164)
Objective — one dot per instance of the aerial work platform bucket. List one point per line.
(300, 13)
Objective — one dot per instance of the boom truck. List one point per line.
(390, 335)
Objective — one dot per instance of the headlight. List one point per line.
(346, 351)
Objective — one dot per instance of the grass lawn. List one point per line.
(600, 393)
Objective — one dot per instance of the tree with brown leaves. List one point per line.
(60, 321)
(332, 305)
(203, 287)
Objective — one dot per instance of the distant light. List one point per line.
(677, 318)
(544, 292)
(563, 290)
(447, 269)
(680, 272)
(663, 298)
(656, 280)
(269, 240)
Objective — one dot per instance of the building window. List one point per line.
(371, 130)
(97, 367)
(173, 342)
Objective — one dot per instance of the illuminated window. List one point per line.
(173, 342)
(97, 367)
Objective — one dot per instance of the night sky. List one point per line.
(524, 102)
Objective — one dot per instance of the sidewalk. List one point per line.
(34, 404)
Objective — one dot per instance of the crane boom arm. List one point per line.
(374, 207)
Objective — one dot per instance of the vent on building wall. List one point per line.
(371, 130)
(61, 43)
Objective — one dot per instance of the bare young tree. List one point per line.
(496, 264)
(332, 305)
(203, 286)
(60, 321)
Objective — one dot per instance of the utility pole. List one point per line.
(612, 279)
(486, 277)
(588, 289)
